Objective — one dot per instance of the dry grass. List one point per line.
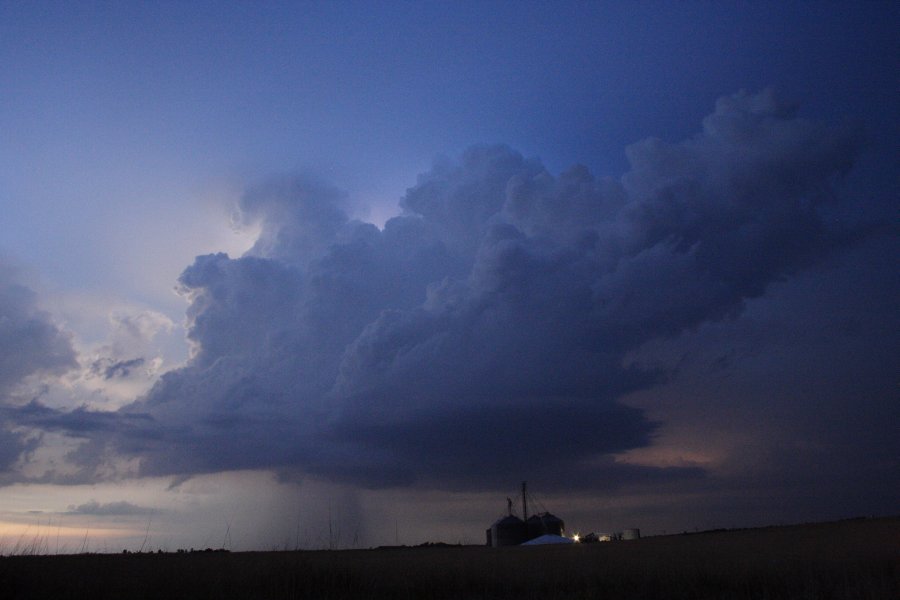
(852, 559)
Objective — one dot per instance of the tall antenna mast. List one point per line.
(524, 503)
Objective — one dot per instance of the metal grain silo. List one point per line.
(544, 524)
(508, 531)
(631, 534)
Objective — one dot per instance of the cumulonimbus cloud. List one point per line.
(485, 329)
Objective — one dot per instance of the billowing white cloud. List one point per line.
(127, 363)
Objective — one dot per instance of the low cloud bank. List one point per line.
(109, 509)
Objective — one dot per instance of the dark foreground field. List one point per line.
(849, 559)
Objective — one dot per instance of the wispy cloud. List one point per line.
(108, 509)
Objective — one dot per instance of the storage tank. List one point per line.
(508, 531)
(631, 534)
(544, 524)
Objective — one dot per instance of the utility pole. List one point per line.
(524, 503)
(330, 528)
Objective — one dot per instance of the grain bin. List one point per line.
(508, 531)
(631, 534)
(544, 524)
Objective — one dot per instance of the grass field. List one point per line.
(847, 559)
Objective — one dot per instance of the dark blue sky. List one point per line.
(643, 254)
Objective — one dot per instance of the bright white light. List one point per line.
(576, 538)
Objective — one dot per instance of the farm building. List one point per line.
(511, 530)
(543, 524)
(506, 531)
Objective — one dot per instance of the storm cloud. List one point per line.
(487, 329)
(31, 344)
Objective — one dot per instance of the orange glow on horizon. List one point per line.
(662, 457)
(10, 531)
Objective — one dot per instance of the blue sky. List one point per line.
(138, 136)
(113, 111)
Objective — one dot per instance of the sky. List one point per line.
(344, 274)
